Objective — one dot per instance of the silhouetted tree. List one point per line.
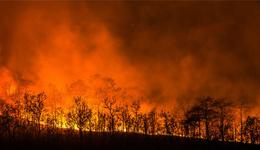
(135, 109)
(225, 116)
(165, 115)
(191, 123)
(186, 122)
(194, 117)
(59, 117)
(242, 108)
(18, 113)
(208, 113)
(124, 115)
(153, 120)
(55, 97)
(49, 122)
(173, 124)
(80, 114)
(7, 120)
(70, 120)
(145, 123)
(108, 95)
(110, 105)
(34, 105)
(11, 122)
(251, 129)
(102, 119)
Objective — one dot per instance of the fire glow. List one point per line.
(150, 69)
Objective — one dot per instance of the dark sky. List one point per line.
(169, 49)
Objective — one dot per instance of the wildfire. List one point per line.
(111, 116)
(69, 67)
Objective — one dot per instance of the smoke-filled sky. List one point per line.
(168, 49)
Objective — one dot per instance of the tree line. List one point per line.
(29, 114)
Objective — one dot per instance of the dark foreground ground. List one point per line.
(97, 140)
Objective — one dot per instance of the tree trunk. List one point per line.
(38, 127)
(113, 124)
(235, 137)
(199, 124)
(222, 126)
(207, 129)
(81, 137)
(257, 135)
(241, 127)
(136, 119)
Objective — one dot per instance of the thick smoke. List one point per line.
(168, 49)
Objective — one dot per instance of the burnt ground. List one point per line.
(118, 140)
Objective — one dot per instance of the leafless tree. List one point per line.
(194, 118)
(208, 113)
(124, 115)
(81, 114)
(242, 108)
(145, 123)
(135, 109)
(153, 120)
(113, 109)
(225, 116)
(251, 129)
(166, 120)
(34, 105)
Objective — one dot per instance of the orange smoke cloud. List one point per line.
(166, 49)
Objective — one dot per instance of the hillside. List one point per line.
(118, 140)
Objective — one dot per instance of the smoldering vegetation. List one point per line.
(109, 116)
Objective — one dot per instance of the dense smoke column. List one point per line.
(167, 49)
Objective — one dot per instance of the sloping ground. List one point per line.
(103, 140)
